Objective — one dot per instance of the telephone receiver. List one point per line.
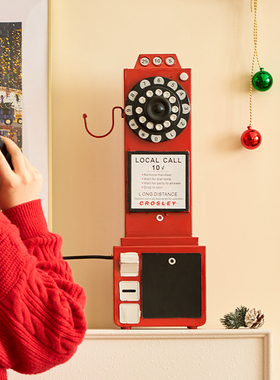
(6, 153)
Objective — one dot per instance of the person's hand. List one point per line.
(21, 185)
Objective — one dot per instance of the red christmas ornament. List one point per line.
(251, 138)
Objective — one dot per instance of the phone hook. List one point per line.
(113, 123)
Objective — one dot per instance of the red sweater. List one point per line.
(41, 309)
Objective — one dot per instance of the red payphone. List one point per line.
(159, 268)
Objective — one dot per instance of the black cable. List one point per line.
(88, 257)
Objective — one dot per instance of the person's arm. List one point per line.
(41, 308)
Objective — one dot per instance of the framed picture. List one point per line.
(24, 83)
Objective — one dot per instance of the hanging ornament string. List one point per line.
(261, 81)
(254, 8)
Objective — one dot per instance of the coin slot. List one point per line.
(129, 290)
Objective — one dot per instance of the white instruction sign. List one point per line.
(158, 181)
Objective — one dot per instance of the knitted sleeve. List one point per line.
(41, 309)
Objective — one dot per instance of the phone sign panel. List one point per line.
(158, 181)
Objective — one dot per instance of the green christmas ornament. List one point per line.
(262, 80)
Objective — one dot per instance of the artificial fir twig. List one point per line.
(236, 319)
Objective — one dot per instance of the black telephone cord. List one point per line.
(88, 257)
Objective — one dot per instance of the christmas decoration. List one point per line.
(261, 81)
(254, 318)
(243, 317)
(251, 138)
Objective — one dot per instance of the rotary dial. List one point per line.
(157, 109)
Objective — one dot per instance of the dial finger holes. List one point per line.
(142, 100)
(159, 127)
(157, 109)
(166, 94)
(142, 119)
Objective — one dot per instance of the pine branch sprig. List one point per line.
(236, 319)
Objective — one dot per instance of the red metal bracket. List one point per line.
(113, 123)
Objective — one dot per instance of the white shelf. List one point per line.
(168, 354)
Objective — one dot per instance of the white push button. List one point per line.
(144, 83)
(129, 290)
(171, 135)
(170, 61)
(132, 95)
(129, 264)
(129, 313)
(183, 76)
(172, 84)
(128, 110)
(156, 138)
(133, 124)
(182, 94)
(157, 61)
(182, 123)
(144, 61)
(186, 108)
(143, 134)
(158, 80)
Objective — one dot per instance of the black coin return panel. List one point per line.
(171, 285)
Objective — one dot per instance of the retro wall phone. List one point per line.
(159, 269)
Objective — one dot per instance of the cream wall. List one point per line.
(235, 191)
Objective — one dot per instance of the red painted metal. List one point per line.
(143, 232)
(145, 224)
(158, 322)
